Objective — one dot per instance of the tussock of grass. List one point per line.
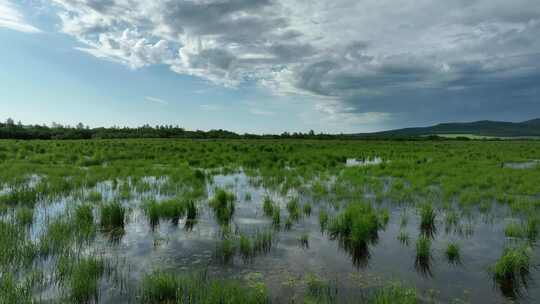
(427, 219)
(112, 216)
(511, 272)
(294, 209)
(452, 253)
(358, 223)
(223, 205)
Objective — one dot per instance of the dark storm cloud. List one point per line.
(417, 61)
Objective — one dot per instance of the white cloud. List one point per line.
(12, 18)
(360, 58)
(156, 100)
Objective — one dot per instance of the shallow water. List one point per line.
(523, 165)
(285, 267)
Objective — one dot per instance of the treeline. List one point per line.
(11, 130)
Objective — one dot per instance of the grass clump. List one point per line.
(512, 270)
(356, 228)
(423, 255)
(423, 248)
(112, 216)
(294, 209)
(227, 250)
(452, 253)
(358, 223)
(223, 206)
(404, 238)
(427, 219)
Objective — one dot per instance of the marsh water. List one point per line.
(285, 267)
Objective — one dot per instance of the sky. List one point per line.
(269, 66)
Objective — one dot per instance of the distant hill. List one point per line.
(485, 128)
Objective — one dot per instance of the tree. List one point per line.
(10, 122)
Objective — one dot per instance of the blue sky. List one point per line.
(268, 66)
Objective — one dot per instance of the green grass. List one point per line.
(223, 204)
(24, 216)
(453, 253)
(404, 238)
(304, 240)
(13, 292)
(161, 287)
(112, 216)
(323, 219)
(394, 294)
(307, 209)
(358, 223)
(512, 269)
(268, 206)
(81, 278)
(423, 248)
(84, 221)
(276, 217)
(427, 218)
(293, 208)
